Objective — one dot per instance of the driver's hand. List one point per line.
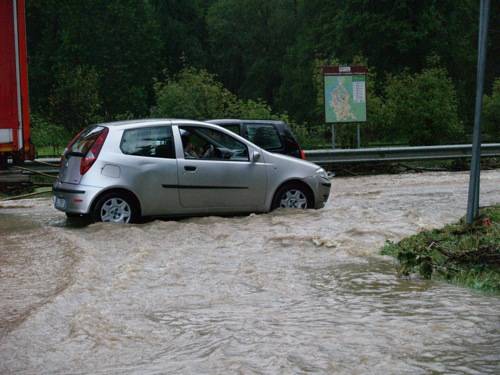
(209, 152)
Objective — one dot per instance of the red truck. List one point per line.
(14, 104)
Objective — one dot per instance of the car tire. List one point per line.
(115, 207)
(72, 215)
(292, 195)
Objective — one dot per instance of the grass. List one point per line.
(466, 255)
(49, 151)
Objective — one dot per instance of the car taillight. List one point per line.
(91, 156)
(302, 155)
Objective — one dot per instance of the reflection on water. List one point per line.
(286, 292)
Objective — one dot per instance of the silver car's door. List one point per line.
(215, 171)
(152, 168)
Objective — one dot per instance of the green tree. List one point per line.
(74, 102)
(260, 49)
(193, 94)
(491, 114)
(196, 94)
(183, 33)
(422, 108)
(117, 38)
(255, 109)
(47, 134)
(248, 39)
(297, 91)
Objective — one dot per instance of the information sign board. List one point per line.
(345, 94)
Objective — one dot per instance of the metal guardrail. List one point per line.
(48, 160)
(381, 154)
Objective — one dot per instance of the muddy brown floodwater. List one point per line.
(285, 292)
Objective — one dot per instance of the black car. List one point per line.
(273, 136)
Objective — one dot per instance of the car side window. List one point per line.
(155, 142)
(235, 128)
(264, 135)
(206, 143)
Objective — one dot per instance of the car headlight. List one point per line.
(322, 173)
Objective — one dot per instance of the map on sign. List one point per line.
(345, 98)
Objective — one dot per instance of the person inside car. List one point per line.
(208, 151)
(189, 151)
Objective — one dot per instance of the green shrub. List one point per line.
(45, 134)
(193, 94)
(74, 101)
(196, 94)
(491, 114)
(423, 108)
(459, 253)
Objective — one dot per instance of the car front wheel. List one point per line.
(292, 195)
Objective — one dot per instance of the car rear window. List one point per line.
(85, 140)
(155, 142)
(264, 135)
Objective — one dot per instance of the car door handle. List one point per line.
(189, 168)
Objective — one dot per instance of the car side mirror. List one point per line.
(255, 156)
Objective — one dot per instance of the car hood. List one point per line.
(282, 160)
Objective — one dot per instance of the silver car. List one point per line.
(122, 171)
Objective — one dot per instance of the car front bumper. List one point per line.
(323, 194)
(321, 188)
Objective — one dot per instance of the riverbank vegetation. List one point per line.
(260, 58)
(467, 255)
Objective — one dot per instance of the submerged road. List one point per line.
(285, 292)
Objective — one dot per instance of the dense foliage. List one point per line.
(100, 60)
(464, 254)
(492, 112)
(421, 106)
(196, 94)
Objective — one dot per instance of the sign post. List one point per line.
(333, 136)
(345, 97)
(358, 136)
(475, 170)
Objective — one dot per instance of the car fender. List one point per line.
(283, 169)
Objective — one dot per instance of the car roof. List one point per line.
(229, 121)
(149, 122)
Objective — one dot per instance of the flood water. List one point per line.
(285, 292)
